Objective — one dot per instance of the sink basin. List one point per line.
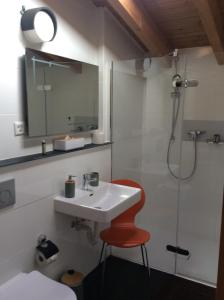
(101, 204)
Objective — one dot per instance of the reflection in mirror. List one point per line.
(62, 94)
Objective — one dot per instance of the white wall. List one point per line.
(204, 102)
(82, 31)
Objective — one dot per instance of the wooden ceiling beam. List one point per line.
(140, 25)
(211, 18)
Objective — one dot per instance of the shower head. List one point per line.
(179, 82)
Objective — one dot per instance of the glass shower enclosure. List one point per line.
(180, 214)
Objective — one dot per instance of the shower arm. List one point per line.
(178, 82)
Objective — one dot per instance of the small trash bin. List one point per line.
(74, 280)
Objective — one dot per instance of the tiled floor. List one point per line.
(130, 281)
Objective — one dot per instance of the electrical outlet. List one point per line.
(19, 128)
(7, 193)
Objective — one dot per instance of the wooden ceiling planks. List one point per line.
(180, 23)
(211, 17)
(142, 26)
(221, 5)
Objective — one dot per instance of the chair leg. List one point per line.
(110, 250)
(101, 253)
(147, 260)
(143, 257)
(103, 272)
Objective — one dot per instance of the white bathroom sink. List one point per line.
(102, 204)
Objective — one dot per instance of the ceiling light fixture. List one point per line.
(39, 25)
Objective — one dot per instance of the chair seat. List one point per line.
(125, 237)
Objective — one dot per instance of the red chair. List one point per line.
(123, 233)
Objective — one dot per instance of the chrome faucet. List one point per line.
(195, 134)
(86, 179)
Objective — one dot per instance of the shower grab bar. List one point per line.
(178, 250)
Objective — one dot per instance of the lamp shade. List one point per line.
(39, 25)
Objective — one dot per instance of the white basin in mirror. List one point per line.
(102, 204)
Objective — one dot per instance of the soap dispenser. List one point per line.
(70, 187)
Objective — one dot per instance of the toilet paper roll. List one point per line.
(46, 253)
(98, 137)
(43, 261)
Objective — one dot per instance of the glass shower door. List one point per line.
(185, 214)
(200, 199)
(127, 128)
(141, 122)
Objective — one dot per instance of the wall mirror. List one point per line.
(62, 94)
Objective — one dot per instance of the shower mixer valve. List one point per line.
(216, 139)
(194, 134)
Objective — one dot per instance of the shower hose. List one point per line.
(176, 109)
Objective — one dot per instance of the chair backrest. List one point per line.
(127, 218)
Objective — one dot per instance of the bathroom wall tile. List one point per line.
(14, 146)
(205, 101)
(36, 180)
(11, 88)
(33, 214)
(21, 227)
